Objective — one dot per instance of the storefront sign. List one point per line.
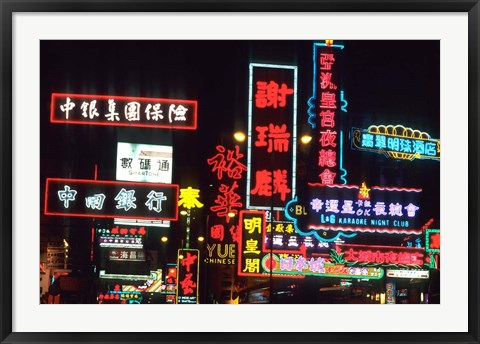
(325, 107)
(271, 135)
(432, 240)
(253, 258)
(422, 274)
(144, 163)
(121, 237)
(352, 208)
(188, 274)
(224, 254)
(396, 142)
(88, 109)
(390, 292)
(373, 255)
(127, 255)
(111, 199)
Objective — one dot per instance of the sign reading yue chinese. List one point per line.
(396, 142)
(111, 199)
(188, 271)
(271, 136)
(123, 111)
(351, 208)
(144, 163)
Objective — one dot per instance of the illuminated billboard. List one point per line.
(144, 163)
(111, 199)
(89, 109)
(272, 114)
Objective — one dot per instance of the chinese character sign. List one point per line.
(252, 225)
(111, 199)
(325, 116)
(188, 274)
(271, 136)
(126, 254)
(144, 163)
(121, 237)
(376, 255)
(352, 208)
(396, 142)
(144, 112)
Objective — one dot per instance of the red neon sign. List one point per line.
(123, 111)
(382, 255)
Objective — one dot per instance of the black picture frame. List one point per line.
(9, 7)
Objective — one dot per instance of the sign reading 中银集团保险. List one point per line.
(90, 109)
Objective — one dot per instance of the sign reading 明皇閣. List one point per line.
(88, 109)
(111, 199)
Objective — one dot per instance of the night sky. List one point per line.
(385, 82)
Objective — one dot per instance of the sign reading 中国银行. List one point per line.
(88, 109)
(111, 199)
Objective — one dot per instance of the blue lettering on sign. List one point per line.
(367, 140)
(430, 149)
(380, 141)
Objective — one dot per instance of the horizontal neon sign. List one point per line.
(396, 142)
(144, 112)
(111, 199)
(351, 208)
(378, 255)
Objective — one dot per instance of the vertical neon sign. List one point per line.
(272, 135)
(325, 106)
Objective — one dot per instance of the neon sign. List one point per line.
(121, 237)
(226, 163)
(432, 240)
(324, 106)
(372, 255)
(396, 142)
(351, 208)
(272, 125)
(123, 111)
(188, 271)
(319, 267)
(189, 198)
(252, 257)
(111, 199)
